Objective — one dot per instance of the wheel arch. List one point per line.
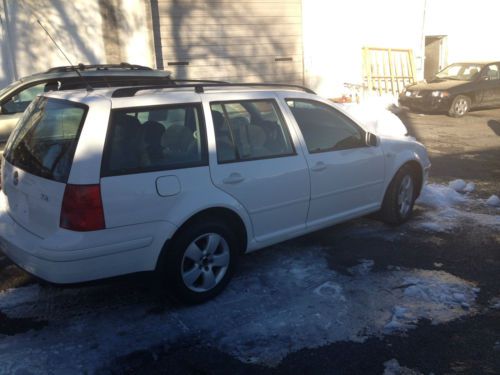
(415, 164)
(226, 215)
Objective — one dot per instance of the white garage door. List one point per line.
(238, 41)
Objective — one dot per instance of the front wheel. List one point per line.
(400, 197)
(200, 261)
(459, 106)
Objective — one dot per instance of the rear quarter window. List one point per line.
(45, 140)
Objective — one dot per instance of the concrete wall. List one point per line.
(336, 31)
(90, 31)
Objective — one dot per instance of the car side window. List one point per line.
(152, 139)
(249, 130)
(324, 128)
(19, 102)
(491, 73)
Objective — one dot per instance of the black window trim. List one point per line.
(129, 171)
(280, 117)
(8, 96)
(363, 132)
(76, 139)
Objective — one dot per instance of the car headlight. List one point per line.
(440, 94)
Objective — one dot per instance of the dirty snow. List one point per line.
(281, 303)
(447, 208)
(461, 186)
(392, 367)
(493, 201)
(375, 115)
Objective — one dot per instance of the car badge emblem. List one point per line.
(15, 178)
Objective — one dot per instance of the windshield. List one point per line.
(45, 139)
(461, 72)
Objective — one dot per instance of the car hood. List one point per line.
(437, 85)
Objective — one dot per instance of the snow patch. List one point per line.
(448, 209)
(457, 185)
(493, 201)
(280, 303)
(364, 267)
(440, 196)
(436, 289)
(392, 367)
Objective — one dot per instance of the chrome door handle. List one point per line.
(319, 166)
(234, 178)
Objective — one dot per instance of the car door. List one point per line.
(489, 85)
(347, 175)
(257, 162)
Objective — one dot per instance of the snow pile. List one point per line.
(461, 186)
(440, 196)
(493, 201)
(449, 208)
(392, 367)
(374, 114)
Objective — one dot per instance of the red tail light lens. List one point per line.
(82, 208)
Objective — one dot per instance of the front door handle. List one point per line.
(319, 166)
(233, 178)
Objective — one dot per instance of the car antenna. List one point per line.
(89, 88)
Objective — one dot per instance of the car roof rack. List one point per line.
(199, 86)
(70, 68)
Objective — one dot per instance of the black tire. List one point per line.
(393, 212)
(176, 264)
(459, 106)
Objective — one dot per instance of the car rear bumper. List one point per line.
(72, 257)
(425, 103)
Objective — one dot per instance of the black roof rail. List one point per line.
(199, 87)
(81, 67)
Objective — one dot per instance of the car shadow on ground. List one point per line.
(495, 126)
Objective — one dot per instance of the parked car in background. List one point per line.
(183, 179)
(456, 89)
(18, 95)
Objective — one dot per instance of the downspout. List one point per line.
(12, 60)
(422, 70)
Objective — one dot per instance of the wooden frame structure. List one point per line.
(388, 70)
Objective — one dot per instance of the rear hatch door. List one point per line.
(37, 162)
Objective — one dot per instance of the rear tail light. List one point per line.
(82, 208)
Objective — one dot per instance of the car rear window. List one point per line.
(45, 140)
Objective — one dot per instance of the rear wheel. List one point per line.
(459, 106)
(400, 197)
(200, 261)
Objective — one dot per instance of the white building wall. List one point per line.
(336, 31)
(77, 28)
(472, 27)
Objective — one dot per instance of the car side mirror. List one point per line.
(371, 139)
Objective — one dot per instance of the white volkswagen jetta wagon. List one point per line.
(182, 180)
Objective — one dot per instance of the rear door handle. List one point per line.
(233, 178)
(319, 166)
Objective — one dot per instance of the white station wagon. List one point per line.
(182, 180)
